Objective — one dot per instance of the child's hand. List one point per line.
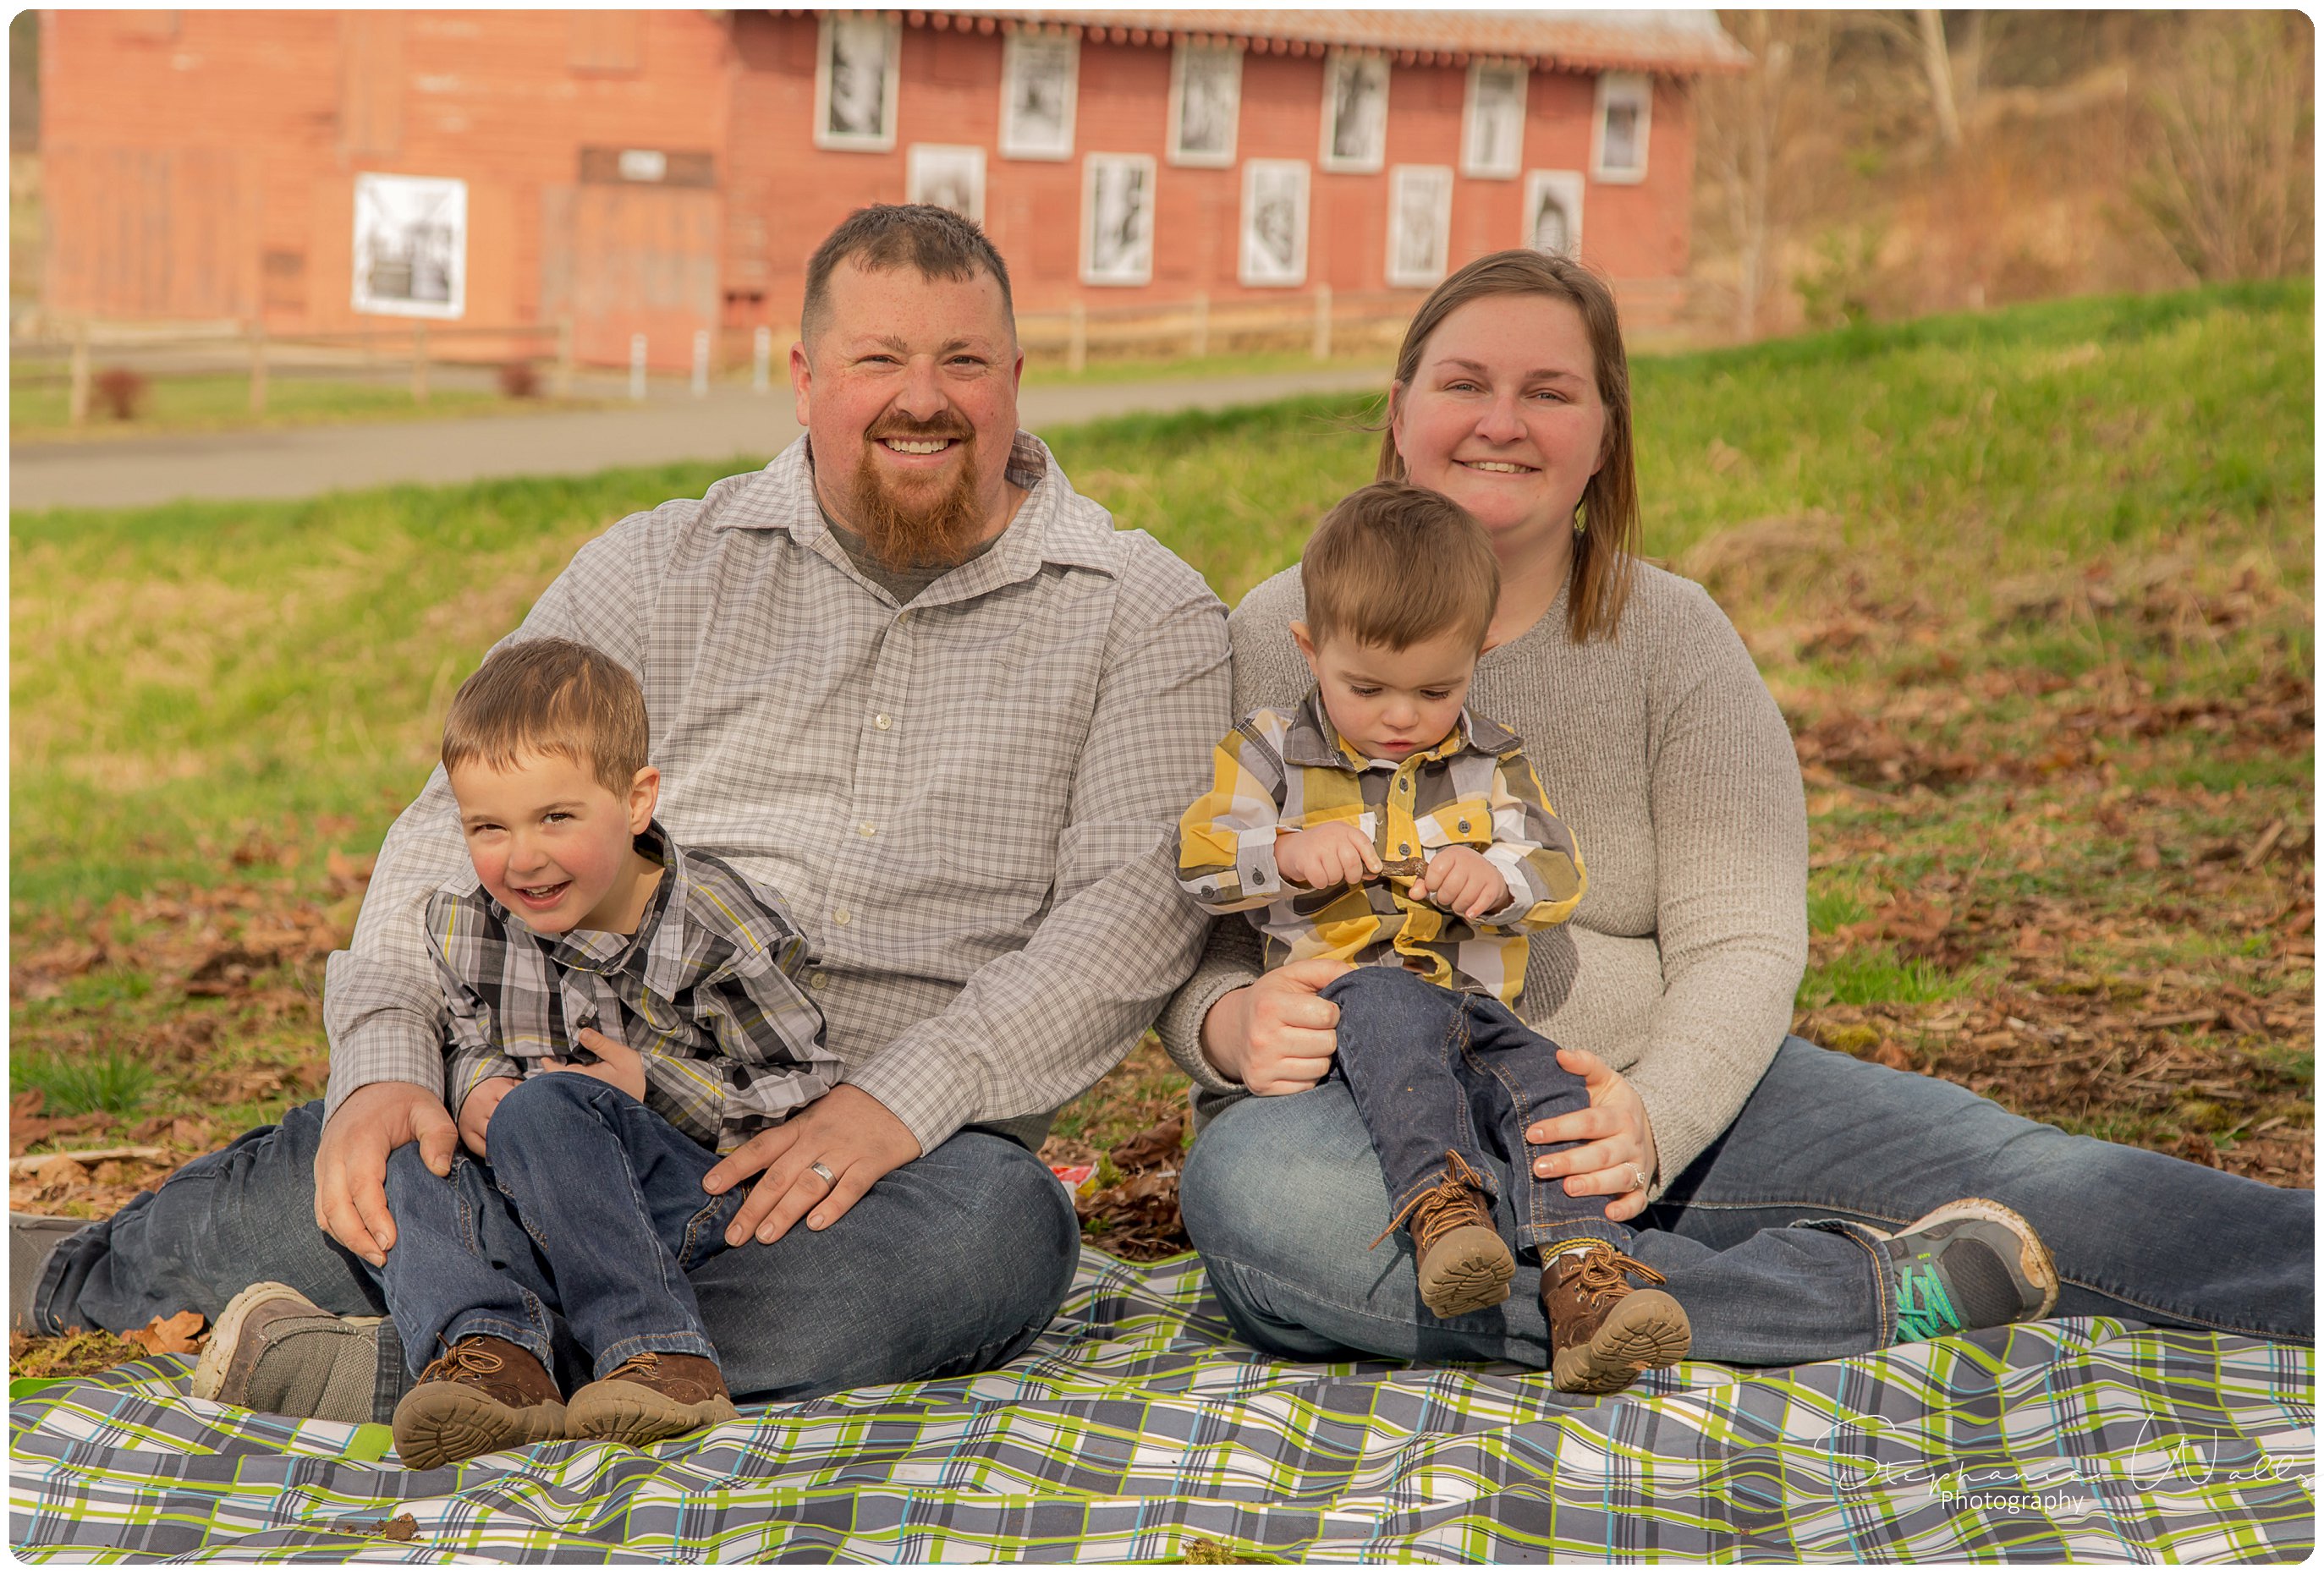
(617, 1063)
(476, 1111)
(1334, 854)
(1460, 879)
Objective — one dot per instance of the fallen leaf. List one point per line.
(170, 1336)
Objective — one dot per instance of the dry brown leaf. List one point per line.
(170, 1336)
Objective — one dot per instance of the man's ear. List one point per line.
(645, 794)
(802, 377)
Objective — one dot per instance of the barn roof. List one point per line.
(1682, 43)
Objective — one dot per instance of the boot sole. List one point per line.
(636, 1415)
(2032, 1254)
(1465, 1275)
(440, 1428)
(1646, 1329)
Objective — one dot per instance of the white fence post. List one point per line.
(762, 351)
(638, 367)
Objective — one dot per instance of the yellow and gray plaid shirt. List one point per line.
(705, 991)
(1278, 774)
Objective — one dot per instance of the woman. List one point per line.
(1765, 1173)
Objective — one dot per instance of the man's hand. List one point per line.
(476, 1111)
(1276, 1036)
(1463, 880)
(617, 1063)
(351, 1164)
(1615, 1134)
(847, 1131)
(1332, 854)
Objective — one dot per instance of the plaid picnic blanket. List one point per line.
(1138, 1427)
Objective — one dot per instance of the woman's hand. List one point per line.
(617, 1063)
(1276, 1036)
(1614, 1133)
(476, 1111)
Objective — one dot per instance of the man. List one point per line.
(906, 677)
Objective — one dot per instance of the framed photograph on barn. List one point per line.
(1036, 96)
(1617, 132)
(1118, 218)
(947, 177)
(1205, 103)
(1274, 223)
(1552, 211)
(1355, 113)
(855, 59)
(1492, 128)
(411, 245)
(1419, 222)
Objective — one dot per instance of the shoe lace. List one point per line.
(468, 1359)
(1606, 1272)
(644, 1364)
(1438, 1211)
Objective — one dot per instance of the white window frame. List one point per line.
(1014, 50)
(1400, 180)
(1178, 155)
(1621, 87)
(1568, 184)
(1143, 272)
(1473, 118)
(1337, 64)
(377, 195)
(919, 162)
(1244, 273)
(884, 139)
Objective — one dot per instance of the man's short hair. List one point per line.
(551, 696)
(935, 242)
(1393, 564)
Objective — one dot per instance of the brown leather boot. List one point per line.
(651, 1396)
(1602, 1333)
(480, 1397)
(1464, 1264)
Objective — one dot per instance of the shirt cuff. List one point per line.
(919, 1083)
(1510, 865)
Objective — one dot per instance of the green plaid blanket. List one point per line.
(1138, 1426)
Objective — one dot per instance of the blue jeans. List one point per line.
(1435, 1071)
(592, 1206)
(1764, 1237)
(954, 1263)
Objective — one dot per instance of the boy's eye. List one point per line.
(1432, 694)
(1365, 691)
(555, 816)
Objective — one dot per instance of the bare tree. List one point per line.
(2231, 182)
(1762, 141)
(1951, 71)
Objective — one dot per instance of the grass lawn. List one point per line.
(2033, 588)
(38, 412)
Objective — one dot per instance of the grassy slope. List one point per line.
(1968, 538)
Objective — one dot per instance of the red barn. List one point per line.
(664, 172)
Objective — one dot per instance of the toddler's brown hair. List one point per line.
(1394, 564)
(551, 696)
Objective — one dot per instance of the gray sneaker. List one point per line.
(1970, 1263)
(274, 1349)
(32, 1238)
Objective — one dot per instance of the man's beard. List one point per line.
(905, 534)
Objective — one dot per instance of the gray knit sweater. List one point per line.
(1666, 754)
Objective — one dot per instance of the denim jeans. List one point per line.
(952, 1263)
(590, 1206)
(1435, 1071)
(1764, 1237)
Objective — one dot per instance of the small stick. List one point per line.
(25, 1164)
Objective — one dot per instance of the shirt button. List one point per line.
(867, 829)
(1404, 849)
(903, 617)
(881, 722)
(818, 981)
(840, 916)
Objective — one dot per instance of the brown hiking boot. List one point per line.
(1602, 1333)
(480, 1397)
(651, 1396)
(1464, 1264)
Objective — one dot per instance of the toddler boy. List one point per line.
(584, 1196)
(1384, 825)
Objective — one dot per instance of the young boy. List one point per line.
(1382, 823)
(584, 1194)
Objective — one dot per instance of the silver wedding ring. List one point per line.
(820, 1168)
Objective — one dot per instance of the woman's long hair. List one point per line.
(1606, 522)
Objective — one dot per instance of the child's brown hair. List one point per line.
(1394, 564)
(551, 696)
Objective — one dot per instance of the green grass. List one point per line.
(116, 1081)
(1874, 978)
(39, 412)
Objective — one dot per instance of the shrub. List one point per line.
(120, 391)
(520, 380)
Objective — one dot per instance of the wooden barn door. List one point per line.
(630, 259)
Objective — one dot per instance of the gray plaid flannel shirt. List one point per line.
(705, 991)
(970, 802)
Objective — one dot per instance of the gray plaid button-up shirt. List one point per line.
(705, 991)
(968, 802)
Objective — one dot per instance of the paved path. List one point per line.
(730, 424)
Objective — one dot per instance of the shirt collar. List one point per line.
(1313, 740)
